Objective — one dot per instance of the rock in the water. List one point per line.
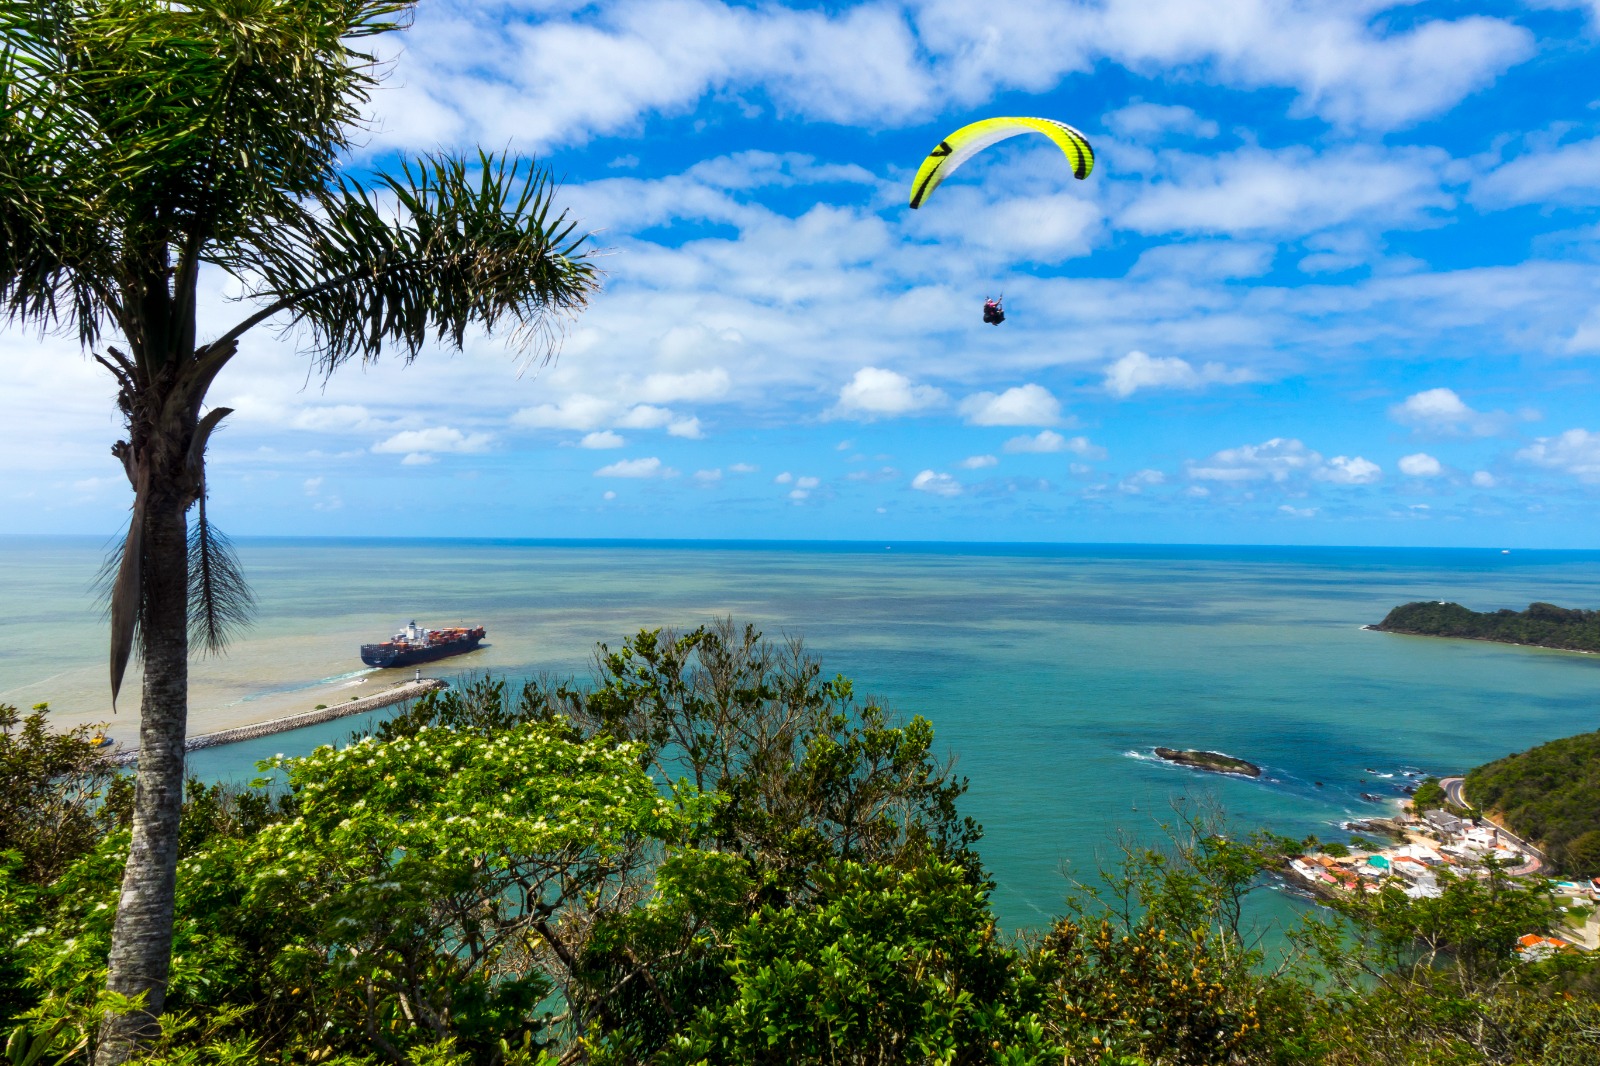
(1384, 826)
(1214, 761)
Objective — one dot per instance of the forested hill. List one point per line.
(1543, 624)
(1550, 795)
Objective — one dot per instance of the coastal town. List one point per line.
(1434, 845)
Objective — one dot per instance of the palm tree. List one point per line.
(143, 141)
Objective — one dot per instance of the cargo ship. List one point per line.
(413, 645)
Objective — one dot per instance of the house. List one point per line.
(1422, 853)
(1444, 822)
(1532, 946)
(1409, 868)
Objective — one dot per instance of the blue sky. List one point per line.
(1335, 279)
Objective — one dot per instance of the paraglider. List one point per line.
(973, 138)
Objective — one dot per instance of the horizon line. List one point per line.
(738, 542)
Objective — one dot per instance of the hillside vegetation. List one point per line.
(712, 853)
(1551, 795)
(1542, 624)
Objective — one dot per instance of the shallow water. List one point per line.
(1048, 671)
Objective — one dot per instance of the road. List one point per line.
(1453, 792)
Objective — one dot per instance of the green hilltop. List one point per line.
(1543, 624)
(1551, 795)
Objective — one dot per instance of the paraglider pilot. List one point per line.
(993, 313)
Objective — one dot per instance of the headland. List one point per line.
(1542, 625)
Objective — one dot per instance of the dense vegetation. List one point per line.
(716, 855)
(1551, 796)
(1542, 624)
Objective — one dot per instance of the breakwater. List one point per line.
(406, 690)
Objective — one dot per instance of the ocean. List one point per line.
(1048, 671)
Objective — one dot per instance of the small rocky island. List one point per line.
(1542, 625)
(1214, 761)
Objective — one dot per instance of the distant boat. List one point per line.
(414, 645)
(1505, 551)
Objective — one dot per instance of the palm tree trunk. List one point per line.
(141, 944)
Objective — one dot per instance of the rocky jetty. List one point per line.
(1214, 761)
(1377, 826)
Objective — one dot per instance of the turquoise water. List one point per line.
(1048, 671)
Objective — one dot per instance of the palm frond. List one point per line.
(423, 255)
(136, 132)
(220, 602)
(123, 593)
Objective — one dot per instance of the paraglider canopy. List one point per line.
(969, 140)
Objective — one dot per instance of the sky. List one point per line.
(1334, 279)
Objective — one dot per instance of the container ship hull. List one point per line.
(413, 645)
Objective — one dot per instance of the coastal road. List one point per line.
(1536, 860)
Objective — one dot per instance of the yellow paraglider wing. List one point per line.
(968, 141)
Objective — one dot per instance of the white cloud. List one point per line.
(1563, 174)
(696, 385)
(1214, 259)
(608, 495)
(874, 393)
(1136, 370)
(1345, 470)
(1575, 452)
(882, 474)
(688, 428)
(419, 459)
(1281, 460)
(1151, 122)
(744, 468)
(337, 418)
(1297, 512)
(783, 478)
(1024, 405)
(580, 411)
(436, 439)
(583, 411)
(636, 468)
(1050, 441)
(586, 70)
(803, 488)
(602, 439)
(1441, 411)
(1420, 465)
(1291, 191)
(978, 462)
(644, 416)
(1586, 338)
(938, 484)
(1483, 479)
(1136, 483)
(313, 485)
(708, 476)
(1277, 459)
